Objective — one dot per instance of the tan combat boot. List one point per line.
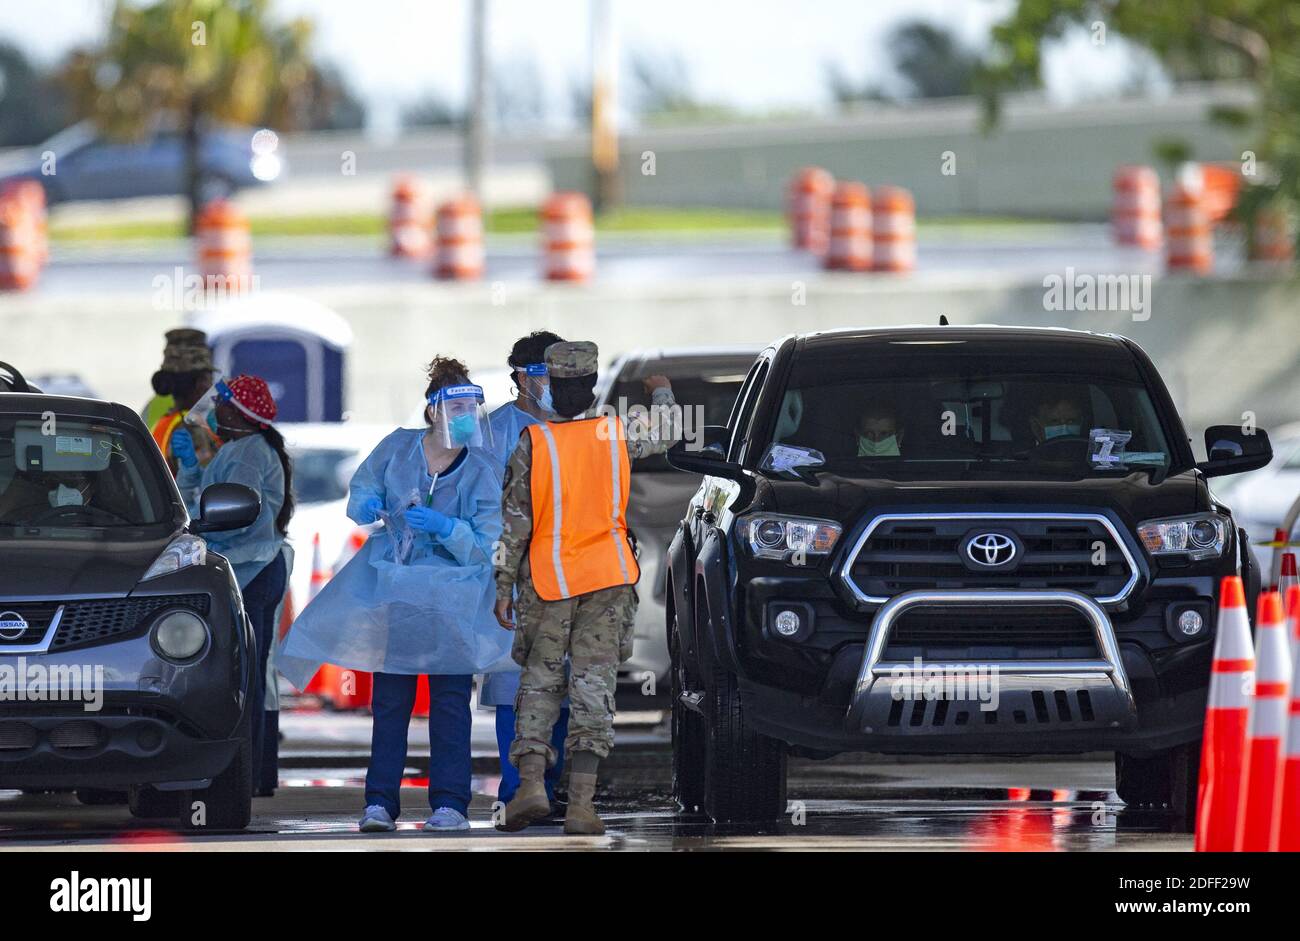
(530, 802)
(581, 818)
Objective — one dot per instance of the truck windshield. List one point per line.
(73, 478)
(905, 411)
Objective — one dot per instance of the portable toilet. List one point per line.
(297, 345)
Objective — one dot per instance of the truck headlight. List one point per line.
(773, 536)
(1198, 536)
(180, 635)
(181, 552)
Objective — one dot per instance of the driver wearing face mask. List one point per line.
(880, 433)
(1057, 415)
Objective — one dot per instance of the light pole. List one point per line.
(604, 105)
(476, 115)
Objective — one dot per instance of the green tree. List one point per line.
(198, 61)
(1254, 40)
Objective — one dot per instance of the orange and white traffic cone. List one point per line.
(808, 209)
(850, 243)
(568, 238)
(459, 253)
(319, 573)
(1272, 237)
(20, 260)
(1288, 577)
(410, 219)
(1286, 828)
(893, 229)
(1267, 727)
(1188, 231)
(1135, 209)
(1232, 676)
(225, 247)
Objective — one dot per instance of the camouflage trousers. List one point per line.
(595, 632)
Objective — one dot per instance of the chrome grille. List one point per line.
(1071, 552)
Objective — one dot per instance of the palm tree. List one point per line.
(196, 60)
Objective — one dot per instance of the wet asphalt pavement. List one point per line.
(851, 802)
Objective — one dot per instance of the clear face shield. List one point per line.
(459, 417)
(206, 406)
(535, 385)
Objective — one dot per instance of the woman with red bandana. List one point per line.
(253, 455)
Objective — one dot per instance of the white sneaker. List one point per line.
(376, 820)
(444, 819)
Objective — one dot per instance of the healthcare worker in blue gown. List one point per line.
(253, 455)
(417, 598)
(531, 406)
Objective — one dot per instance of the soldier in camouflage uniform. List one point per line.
(594, 630)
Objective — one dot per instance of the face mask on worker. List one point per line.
(537, 371)
(66, 496)
(573, 396)
(885, 447)
(457, 417)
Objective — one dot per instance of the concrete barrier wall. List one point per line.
(1041, 161)
(1224, 345)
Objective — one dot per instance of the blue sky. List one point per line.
(752, 54)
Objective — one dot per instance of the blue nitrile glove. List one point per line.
(370, 509)
(183, 447)
(430, 521)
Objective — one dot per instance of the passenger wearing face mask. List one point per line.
(532, 405)
(880, 433)
(417, 599)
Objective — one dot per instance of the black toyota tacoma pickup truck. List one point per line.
(948, 540)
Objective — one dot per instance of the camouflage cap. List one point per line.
(571, 359)
(186, 351)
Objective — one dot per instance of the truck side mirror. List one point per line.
(707, 455)
(1230, 450)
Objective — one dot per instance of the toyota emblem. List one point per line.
(991, 549)
(12, 625)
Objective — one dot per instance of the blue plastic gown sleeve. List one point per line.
(368, 480)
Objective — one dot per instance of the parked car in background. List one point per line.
(87, 165)
(325, 455)
(63, 384)
(705, 381)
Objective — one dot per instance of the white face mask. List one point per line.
(885, 447)
(65, 496)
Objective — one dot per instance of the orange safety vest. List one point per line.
(579, 482)
(162, 431)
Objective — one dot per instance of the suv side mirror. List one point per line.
(706, 456)
(1232, 451)
(226, 506)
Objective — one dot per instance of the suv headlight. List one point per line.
(772, 536)
(1198, 536)
(180, 635)
(181, 552)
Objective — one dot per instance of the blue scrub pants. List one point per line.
(391, 703)
(509, 773)
(262, 597)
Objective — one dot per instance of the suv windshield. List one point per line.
(907, 410)
(61, 478)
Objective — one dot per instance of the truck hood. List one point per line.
(847, 500)
(47, 569)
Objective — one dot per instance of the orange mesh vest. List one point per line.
(579, 485)
(162, 431)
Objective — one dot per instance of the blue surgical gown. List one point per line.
(428, 613)
(255, 464)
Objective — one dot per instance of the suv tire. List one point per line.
(744, 772)
(689, 733)
(229, 799)
(1167, 778)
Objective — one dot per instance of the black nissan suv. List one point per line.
(125, 651)
(948, 540)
